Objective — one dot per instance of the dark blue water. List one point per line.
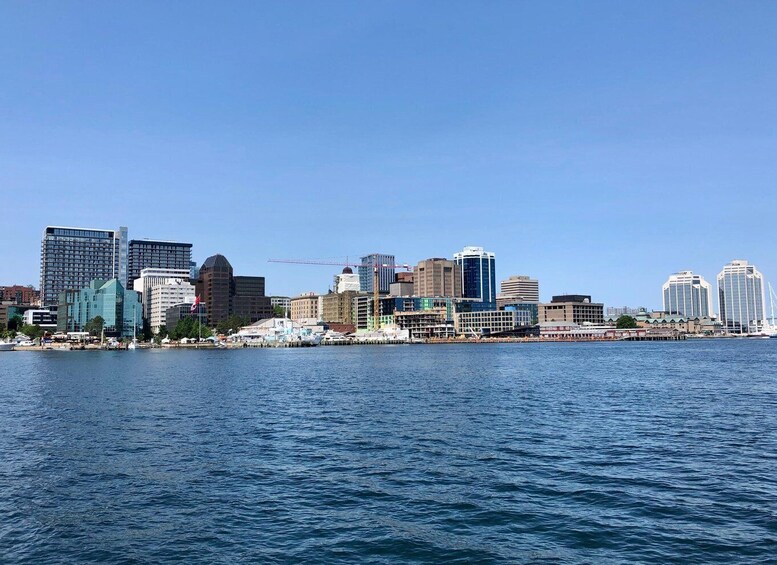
(530, 453)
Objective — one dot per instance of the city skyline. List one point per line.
(620, 132)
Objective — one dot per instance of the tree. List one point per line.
(162, 333)
(278, 311)
(233, 323)
(189, 328)
(146, 332)
(95, 325)
(15, 323)
(625, 322)
(32, 331)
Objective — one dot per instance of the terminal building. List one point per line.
(572, 308)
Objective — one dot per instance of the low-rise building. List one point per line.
(178, 312)
(573, 308)
(305, 306)
(337, 307)
(46, 319)
(489, 322)
(19, 294)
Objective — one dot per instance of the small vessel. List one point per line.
(134, 343)
(7, 346)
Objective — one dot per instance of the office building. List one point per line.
(528, 311)
(386, 272)
(283, 302)
(401, 289)
(478, 276)
(347, 281)
(120, 309)
(165, 295)
(46, 319)
(572, 308)
(489, 322)
(404, 277)
(741, 298)
(249, 301)
(688, 295)
(72, 257)
(305, 307)
(521, 286)
(215, 287)
(151, 277)
(151, 254)
(437, 277)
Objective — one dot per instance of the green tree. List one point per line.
(189, 328)
(146, 333)
(233, 323)
(15, 323)
(95, 326)
(625, 322)
(32, 331)
(162, 333)
(278, 311)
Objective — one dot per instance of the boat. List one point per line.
(6, 346)
(134, 343)
(770, 326)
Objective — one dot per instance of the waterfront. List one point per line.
(591, 452)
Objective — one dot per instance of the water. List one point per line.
(529, 453)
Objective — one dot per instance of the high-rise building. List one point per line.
(688, 295)
(249, 301)
(120, 309)
(146, 253)
(437, 277)
(215, 286)
(151, 277)
(521, 286)
(347, 281)
(478, 275)
(224, 294)
(166, 295)
(71, 258)
(385, 273)
(741, 298)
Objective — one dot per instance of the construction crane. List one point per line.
(375, 280)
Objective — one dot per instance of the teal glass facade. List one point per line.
(120, 308)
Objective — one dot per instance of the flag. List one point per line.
(196, 303)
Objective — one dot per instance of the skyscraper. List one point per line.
(224, 294)
(150, 254)
(688, 295)
(71, 258)
(478, 275)
(741, 297)
(385, 274)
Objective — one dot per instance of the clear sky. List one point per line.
(597, 146)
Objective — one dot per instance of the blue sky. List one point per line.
(597, 146)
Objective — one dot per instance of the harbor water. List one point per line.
(494, 453)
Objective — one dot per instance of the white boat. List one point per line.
(134, 343)
(6, 346)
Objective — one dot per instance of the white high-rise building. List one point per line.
(347, 280)
(152, 277)
(688, 295)
(741, 298)
(166, 295)
(521, 286)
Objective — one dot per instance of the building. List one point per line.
(478, 276)
(401, 289)
(305, 307)
(282, 301)
(404, 277)
(389, 306)
(426, 324)
(347, 281)
(572, 308)
(71, 258)
(337, 307)
(120, 309)
(249, 301)
(216, 288)
(741, 298)
(165, 295)
(528, 311)
(147, 253)
(19, 294)
(688, 295)
(386, 272)
(45, 319)
(178, 312)
(489, 322)
(225, 295)
(437, 277)
(151, 277)
(618, 311)
(521, 286)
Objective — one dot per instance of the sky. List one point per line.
(596, 146)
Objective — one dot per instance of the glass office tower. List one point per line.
(478, 275)
(688, 295)
(741, 298)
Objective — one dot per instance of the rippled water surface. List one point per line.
(529, 453)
